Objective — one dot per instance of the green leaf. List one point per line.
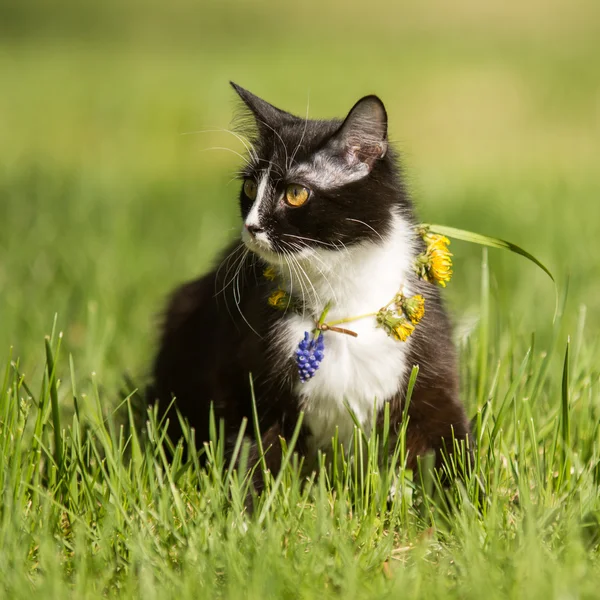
(484, 329)
(485, 240)
(52, 385)
(492, 242)
(566, 429)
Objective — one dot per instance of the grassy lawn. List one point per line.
(105, 205)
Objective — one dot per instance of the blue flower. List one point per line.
(309, 355)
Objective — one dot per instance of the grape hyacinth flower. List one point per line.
(309, 355)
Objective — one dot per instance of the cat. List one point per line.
(327, 221)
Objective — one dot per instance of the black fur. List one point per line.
(215, 333)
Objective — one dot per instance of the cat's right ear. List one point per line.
(362, 138)
(267, 116)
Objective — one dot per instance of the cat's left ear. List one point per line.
(267, 116)
(362, 138)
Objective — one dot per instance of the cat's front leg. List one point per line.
(271, 442)
(436, 422)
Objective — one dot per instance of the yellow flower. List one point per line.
(398, 327)
(440, 267)
(414, 308)
(434, 239)
(403, 330)
(279, 299)
(435, 265)
(270, 274)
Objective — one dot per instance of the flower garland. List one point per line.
(398, 318)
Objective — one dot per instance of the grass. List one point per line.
(104, 207)
(92, 507)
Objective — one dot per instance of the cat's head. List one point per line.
(314, 184)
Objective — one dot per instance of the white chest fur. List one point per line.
(356, 373)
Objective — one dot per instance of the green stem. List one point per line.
(317, 332)
(324, 313)
(349, 319)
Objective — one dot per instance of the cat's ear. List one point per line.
(362, 138)
(266, 115)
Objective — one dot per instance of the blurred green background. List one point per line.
(105, 204)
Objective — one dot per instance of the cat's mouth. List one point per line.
(273, 252)
(260, 244)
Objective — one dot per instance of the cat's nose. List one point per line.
(254, 230)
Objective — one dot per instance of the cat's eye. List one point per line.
(296, 195)
(250, 188)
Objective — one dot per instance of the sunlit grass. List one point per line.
(105, 206)
(92, 505)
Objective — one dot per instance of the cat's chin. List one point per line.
(268, 256)
(261, 249)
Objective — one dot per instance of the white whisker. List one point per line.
(248, 145)
(366, 225)
(237, 295)
(225, 262)
(248, 163)
(287, 166)
(314, 255)
(301, 272)
(291, 266)
(299, 237)
(303, 133)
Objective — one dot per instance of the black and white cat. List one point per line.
(324, 205)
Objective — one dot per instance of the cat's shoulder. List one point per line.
(211, 298)
(187, 300)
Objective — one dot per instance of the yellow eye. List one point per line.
(250, 189)
(296, 195)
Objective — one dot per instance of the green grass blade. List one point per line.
(484, 330)
(58, 456)
(508, 397)
(565, 418)
(284, 463)
(486, 240)
(257, 434)
(493, 242)
(409, 391)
